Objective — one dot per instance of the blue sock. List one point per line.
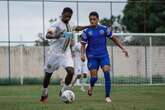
(107, 84)
(93, 81)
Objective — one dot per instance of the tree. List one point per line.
(116, 25)
(145, 16)
(148, 14)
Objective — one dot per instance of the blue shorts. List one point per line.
(96, 62)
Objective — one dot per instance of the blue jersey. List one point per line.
(96, 40)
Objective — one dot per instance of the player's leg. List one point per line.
(77, 78)
(67, 63)
(50, 66)
(84, 72)
(81, 82)
(69, 76)
(74, 81)
(46, 81)
(77, 71)
(93, 66)
(105, 64)
(107, 83)
(93, 80)
(68, 79)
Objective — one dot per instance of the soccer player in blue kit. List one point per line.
(96, 51)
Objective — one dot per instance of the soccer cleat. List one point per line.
(44, 99)
(108, 100)
(90, 91)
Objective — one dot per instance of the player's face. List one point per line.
(66, 17)
(93, 21)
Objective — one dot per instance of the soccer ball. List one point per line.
(68, 96)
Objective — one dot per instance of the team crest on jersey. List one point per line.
(89, 65)
(90, 33)
(101, 32)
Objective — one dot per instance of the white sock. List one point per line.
(78, 82)
(64, 87)
(81, 83)
(44, 91)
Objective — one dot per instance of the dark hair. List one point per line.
(67, 9)
(94, 13)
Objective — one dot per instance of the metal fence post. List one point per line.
(9, 57)
(150, 60)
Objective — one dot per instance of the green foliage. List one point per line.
(106, 22)
(41, 41)
(142, 17)
(135, 12)
(158, 79)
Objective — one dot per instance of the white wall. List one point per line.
(133, 66)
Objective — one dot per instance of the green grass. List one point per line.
(123, 97)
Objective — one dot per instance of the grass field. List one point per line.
(124, 98)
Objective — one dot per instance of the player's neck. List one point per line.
(95, 26)
(65, 22)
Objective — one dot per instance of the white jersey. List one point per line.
(62, 44)
(80, 66)
(77, 49)
(59, 53)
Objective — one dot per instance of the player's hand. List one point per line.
(125, 52)
(53, 33)
(82, 58)
(68, 34)
(79, 28)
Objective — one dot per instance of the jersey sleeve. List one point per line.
(54, 26)
(84, 38)
(109, 32)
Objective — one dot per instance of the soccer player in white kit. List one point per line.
(81, 69)
(60, 51)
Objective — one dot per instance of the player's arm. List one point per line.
(84, 41)
(80, 28)
(119, 44)
(53, 33)
(116, 41)
(83, 45)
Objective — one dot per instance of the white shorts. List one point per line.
(80, 67)
(54, 61)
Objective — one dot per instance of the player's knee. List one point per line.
(93, 73)
(106, 68)
(84, 75)
(78, 76)
(70, 70)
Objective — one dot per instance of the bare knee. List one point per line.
(70, 70)
(78, 76)
(93, 73)
(84, 75)
(106, 68)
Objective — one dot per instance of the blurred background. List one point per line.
(139, 25)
